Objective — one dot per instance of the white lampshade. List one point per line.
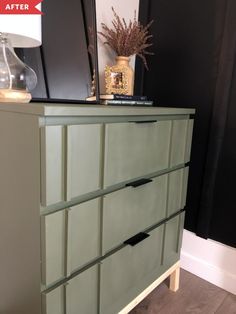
(23, 30)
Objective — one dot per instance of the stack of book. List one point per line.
(125, 100)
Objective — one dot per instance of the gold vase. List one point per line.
(120, 77)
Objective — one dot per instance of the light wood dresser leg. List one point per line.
(174, 280)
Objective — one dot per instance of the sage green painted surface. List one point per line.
(189, 140)
(175, 191)
(83, 234)
(181, 229)
(173, 233)
(185, 187)
(124, 274)
(52, 165)
(178, 142)
(83, 159)
(82, 293)
(78, 296)
(131, 210)
(75, 120)
(53, 242)
(80, 110)
(35, 139)
(53, 302)
(19, 214)
(133, 150)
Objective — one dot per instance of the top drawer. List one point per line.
(135, 149)
(72, 156)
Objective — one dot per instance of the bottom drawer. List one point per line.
(173, 240)
(123, 275)
(128, 271)
(78, 296)
(53, 302)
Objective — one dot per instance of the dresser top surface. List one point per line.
(49, 109)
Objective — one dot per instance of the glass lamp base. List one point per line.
(11, 95)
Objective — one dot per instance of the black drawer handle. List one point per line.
(137, 238)
(139, 182)
(143, 121)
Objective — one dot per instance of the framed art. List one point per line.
(116, 79)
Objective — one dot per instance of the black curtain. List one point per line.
(194, 66)
(217, 214)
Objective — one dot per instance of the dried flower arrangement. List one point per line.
(127, 39)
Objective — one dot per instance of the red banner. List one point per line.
(19, 7)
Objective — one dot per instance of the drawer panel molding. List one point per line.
(177, 190)
(173, 239)
(52, 165)
(83, 234)
(84, 149)
(70, 240)
(71, 163)
(178, 142)
(77, 295)
(53, 246)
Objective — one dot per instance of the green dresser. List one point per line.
(93, 204)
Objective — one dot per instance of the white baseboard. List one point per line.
(210, 260)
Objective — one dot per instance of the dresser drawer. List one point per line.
(53, 302)
(78, 295)
(177, 190)
(133, 209)
(128, 271)
(70, 161)
(181, 141)
(173, 239)
(135, 149)
(70, 239)
(82, 293)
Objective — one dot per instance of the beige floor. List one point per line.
(195, 296)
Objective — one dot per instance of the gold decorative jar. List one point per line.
(119, 78)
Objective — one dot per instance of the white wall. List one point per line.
(125, 9)
(210, 260)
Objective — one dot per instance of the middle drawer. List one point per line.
(136, 208)
(130, 210)
(70, 239)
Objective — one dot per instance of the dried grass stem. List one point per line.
(127, 39)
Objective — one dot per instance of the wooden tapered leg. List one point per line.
(150, 288)
(174, 280)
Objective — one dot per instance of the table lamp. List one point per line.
(16, 78)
